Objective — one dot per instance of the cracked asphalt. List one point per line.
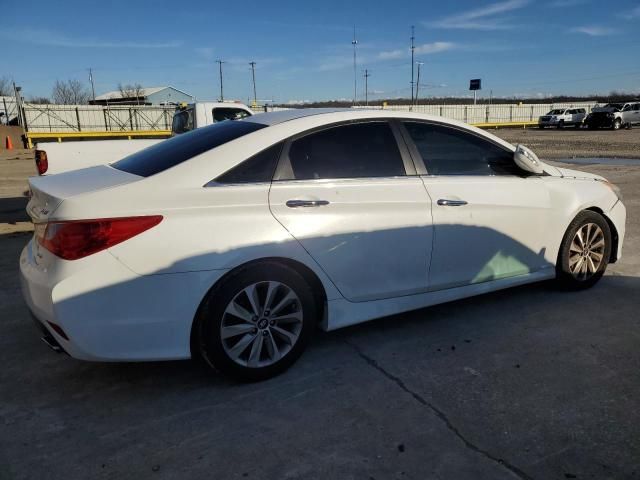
(528, 383)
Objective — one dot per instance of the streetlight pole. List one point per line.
(220, 62)
(418, 81)
(253, 75)
(93, 90)
(354, 42)
(366, 87)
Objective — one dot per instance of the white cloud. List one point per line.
(424, 49)
(54, 39)
(631, 14)
(487, 17)
(594, 31)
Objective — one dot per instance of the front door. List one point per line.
(345, 195)
(489, 217)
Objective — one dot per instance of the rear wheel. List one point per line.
(560, 124)
(257, 322)
(585, 252)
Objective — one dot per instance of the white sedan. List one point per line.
(235, 241)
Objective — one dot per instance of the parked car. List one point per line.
(53, 157)
(562, 117)
(614, 116)
(233, 242)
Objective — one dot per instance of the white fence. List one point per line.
(96, 118)
(489, 113)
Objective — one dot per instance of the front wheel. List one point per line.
(617, 124)
(585, 252)
(258, 322)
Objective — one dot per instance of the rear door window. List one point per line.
(171, 152)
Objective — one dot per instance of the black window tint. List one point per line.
(347, 151)
(171, 152)
(221, 114)
(448, 151)
(256, 169)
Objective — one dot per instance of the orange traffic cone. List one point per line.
(8, 143)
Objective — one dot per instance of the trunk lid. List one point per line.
(48, 192)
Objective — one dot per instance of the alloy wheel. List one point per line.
(586, 252)
(261, 324)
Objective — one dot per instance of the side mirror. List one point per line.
(527, 160)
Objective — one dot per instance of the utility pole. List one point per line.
(366, 87)
(253, 75)
(16, 91)
(93, 90)
(220, 62)
(354, 42)
(413, 48)
(418, 81)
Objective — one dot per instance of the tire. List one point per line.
(560, 125)
(578, 126)
(616, 124)
(258, 346)
(581, 264)
(541, 127)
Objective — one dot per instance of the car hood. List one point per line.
(577, 174)
(604, 109)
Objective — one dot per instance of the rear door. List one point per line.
(491, 221)
(350, 195)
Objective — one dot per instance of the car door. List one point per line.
(491, 220)
(350, 195)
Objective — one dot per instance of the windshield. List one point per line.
(182, 121)
(225, 113)
(617, 106)
(556, 112)
(173, 151)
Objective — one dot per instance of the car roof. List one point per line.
(274, 118)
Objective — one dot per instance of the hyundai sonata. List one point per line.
(231, 243)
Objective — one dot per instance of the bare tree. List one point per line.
(71, 92)
(39, 100)
(6, 88)
(129, 90)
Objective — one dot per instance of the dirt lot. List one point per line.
(570, 143)
(529, 383)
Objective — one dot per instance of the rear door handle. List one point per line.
(306, 203)
(451, 203)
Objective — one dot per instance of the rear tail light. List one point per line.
(79, 238)
(42, 162)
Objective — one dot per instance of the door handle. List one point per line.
(451, 203)
(306, 203)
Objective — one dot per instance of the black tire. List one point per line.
(564, 277)
(578, 126)
(541, 127)
(617, 123)
(560, 125)
(210, 317)
(590, 126)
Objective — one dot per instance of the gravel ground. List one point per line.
(570, 143)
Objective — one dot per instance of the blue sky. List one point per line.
(303, 49)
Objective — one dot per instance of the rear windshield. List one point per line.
(173, 151)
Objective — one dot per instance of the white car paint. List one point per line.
(381, 246)
(74, 155)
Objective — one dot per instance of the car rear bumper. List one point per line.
(99, 310)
